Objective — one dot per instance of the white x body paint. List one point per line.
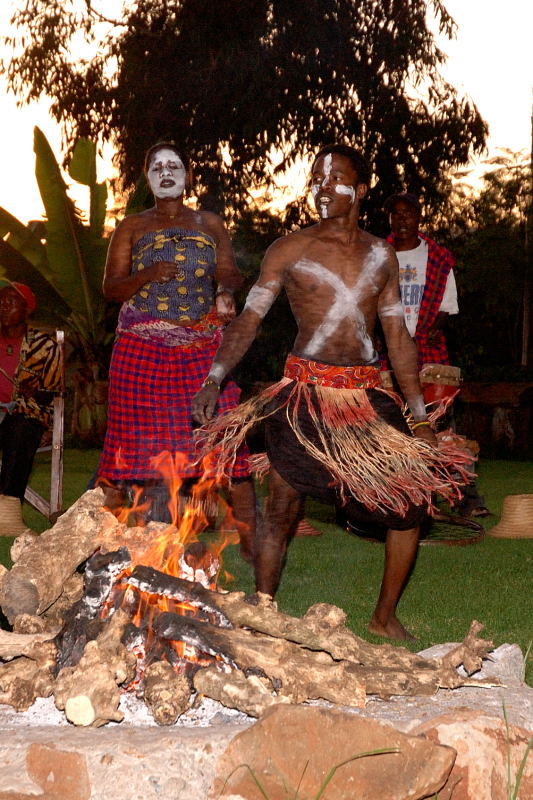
(345, 305)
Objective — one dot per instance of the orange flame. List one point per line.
(177, 550)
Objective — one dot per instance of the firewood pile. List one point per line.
(72, 599)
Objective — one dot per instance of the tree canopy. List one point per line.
(487, 232)
(232, 81)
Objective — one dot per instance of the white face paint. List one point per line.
(344, 307)
(166, 174)
(260, 298)
(327, 166)
(338, 188)
(341, 188)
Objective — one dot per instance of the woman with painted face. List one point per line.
(172, 267)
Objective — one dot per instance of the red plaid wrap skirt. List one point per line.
(151, 387)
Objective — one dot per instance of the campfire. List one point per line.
(100, 606)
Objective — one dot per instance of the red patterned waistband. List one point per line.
(336, 377)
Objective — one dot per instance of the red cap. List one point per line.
(26, 293)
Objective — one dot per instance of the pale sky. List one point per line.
(491, 60)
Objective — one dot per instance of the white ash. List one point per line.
(202, 713)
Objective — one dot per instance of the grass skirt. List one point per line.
(367, 459)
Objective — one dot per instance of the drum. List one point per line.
(439, 382)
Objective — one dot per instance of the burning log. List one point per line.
(302, 675)
(83, 621)
(322, 628)
(385, 670)
(89, 692)
(166, 693)
(250, 694)
(152, 581)
(38, 576)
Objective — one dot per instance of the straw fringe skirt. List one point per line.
(368, 460)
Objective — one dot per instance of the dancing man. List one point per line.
(332, 432)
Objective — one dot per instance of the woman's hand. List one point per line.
(162, 271)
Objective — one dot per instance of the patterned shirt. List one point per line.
(39, 371)
(190, 295)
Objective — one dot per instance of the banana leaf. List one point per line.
(82, 168)
(24, 240)
(16, 267)
(141, 198)
(65, 259)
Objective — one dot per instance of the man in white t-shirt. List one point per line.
(427, 282)
(429, 295)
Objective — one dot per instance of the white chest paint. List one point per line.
(345, 303)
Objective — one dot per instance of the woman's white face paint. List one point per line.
(166, 174)
(260, 298)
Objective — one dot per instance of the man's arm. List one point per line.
(448, 306)
(242, 331)
(402, 350)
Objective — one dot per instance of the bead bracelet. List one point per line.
(419, 424)
(209, 382)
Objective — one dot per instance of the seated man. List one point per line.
(30, 372)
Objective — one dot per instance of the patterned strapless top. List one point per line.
(190, 295)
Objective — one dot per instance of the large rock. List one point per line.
(489, 755)
(292, 749)
(59, 762)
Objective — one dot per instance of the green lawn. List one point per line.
(490, 581)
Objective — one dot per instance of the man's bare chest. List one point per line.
(345, 272)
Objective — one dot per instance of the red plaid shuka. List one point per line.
(151, 386)
(440, 262)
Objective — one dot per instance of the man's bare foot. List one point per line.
(392, 629)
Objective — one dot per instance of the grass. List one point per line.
(489, 581)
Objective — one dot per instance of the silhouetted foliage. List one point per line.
(489, 240)
(231, 80)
